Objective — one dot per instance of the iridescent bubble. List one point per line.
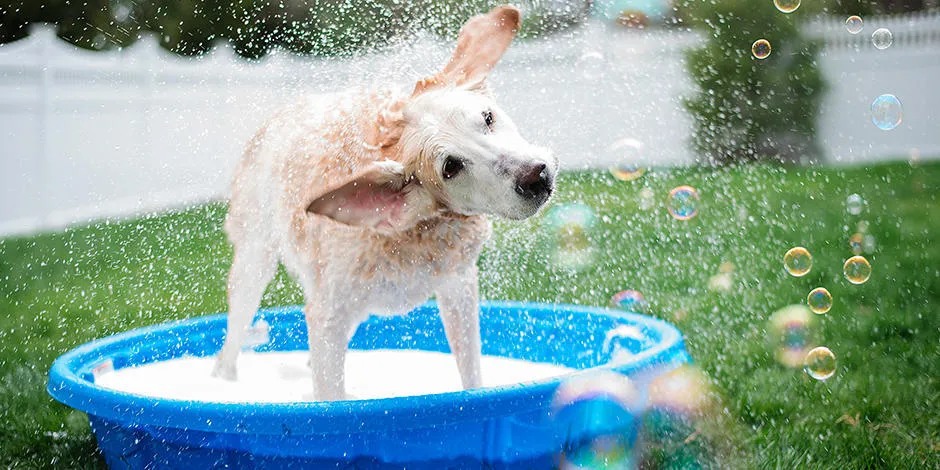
(797, 261)
(886, 112)
(724, 280)
(862, 226)
(857, 243)
(681, 403)
(854, 24)
(882, 38)
(603, 452)
(627, 172)
(791, 334)
(569, 227)
(598, 414)
(857, 269)
(819, 300)
(854, 204)
(684, 390)
(761, 48)
(647, 199)
(628, 153)
(682, 202)
(591, 64)
(820, 363)
(630, 300)
(787, 6)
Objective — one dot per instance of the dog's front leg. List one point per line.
(458, 299)
(328, 338)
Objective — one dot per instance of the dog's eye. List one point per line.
(452, 166)
(488, 119)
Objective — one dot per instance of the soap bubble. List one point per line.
(886, 112)
(854, 204)
(682, 202)
(627, 172)
(724, 280)
(820, 363)
(647, 199)
(857, 243)
(797, 261)
(857, 269)
(569, 228)
(869, 243)
(791, 333)
(684, 390)
(604, 452)
(597, 413)
(681, 404)
(591, 64)
(761, 48)
(787, 6)
(882, 38)
(854, 24)
(629, 300)
(627, 153)
(819, 300)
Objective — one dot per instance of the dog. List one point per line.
(374, 200)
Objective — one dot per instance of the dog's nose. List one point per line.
(534, 181)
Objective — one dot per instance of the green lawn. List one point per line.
(60, 290)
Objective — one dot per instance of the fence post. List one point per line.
(47, 35)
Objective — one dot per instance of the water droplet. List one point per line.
(820, 363)
(682, 202)
(854, 24)
(819, 300)
(761, 48)
(797, 261)
(854, 204)
(857, 269)
(787, 6)
(886, 112)
(882, 38)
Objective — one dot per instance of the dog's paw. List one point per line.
(225, 371)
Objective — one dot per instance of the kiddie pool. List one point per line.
(500, 427)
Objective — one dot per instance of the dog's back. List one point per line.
(315, 144)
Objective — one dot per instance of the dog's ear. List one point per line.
(379, 197)
(481, 43)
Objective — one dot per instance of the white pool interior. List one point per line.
(279, 377)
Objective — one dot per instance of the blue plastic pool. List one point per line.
(502, 427)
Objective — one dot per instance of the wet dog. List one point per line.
(375, 200)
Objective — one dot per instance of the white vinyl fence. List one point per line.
(85, 135)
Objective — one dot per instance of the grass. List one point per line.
(60, 290)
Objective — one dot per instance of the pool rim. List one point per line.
(337, 417)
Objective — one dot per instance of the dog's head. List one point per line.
(454, 148)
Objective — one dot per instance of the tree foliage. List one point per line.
(747, 108)
(254, 27)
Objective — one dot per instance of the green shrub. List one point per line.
(746, 108)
